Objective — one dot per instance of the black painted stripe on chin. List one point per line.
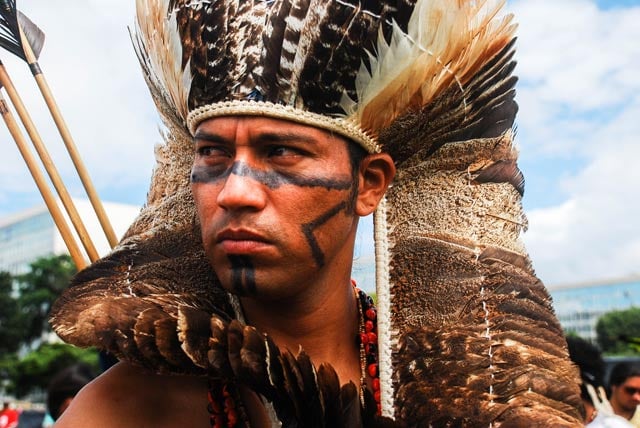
(273, 180)
(243, 275)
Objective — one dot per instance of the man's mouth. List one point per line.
(241, 241)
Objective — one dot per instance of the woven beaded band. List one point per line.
(278, 111)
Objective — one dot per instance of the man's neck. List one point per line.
(324, 325)
(618, 410)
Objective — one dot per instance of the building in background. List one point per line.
(578, 306)
(30, 234)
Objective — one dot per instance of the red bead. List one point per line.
(372, 369)
(368, 326)
(229, 404)
(353, 282)
(364, 338)
(371, 314)
(376, 396)
(376, 384)
(379, 409)
(366, 348)
(232, 417)
(373, 338)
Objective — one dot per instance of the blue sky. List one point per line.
(578, 124)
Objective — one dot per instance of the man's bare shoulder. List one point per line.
(128, 396)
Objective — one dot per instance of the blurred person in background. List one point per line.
(8, 416)
(598, 411)
(65, 385)
(624, 383)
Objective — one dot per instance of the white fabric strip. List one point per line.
(383, 293)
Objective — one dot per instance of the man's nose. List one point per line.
(241, 190)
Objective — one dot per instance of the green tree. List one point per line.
(35, 370)
(38, 289)
(25, 302)
(617, 330)
(11, 322)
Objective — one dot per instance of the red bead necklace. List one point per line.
(367, 341)
(224, 411)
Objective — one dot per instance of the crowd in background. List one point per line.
(616, 406)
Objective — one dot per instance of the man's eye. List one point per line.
(279, 151)
(209, 151)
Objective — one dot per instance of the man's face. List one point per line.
(627, 394)
(275, 202)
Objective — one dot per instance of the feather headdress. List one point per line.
(467, 332)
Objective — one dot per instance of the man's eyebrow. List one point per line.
(283, 137)
(265, 137)
(208, 136)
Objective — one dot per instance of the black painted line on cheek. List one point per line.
(308, 229)
(243, 276)
(274, 180)
(203, 174)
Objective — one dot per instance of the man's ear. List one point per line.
(376, 173)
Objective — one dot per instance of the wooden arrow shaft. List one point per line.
(40, 180)
(49, 165)
(69, 144)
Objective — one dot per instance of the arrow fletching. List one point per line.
(10, 23)
(9, 31)
(34, 35)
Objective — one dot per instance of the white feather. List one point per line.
(442, 42)
(160, 40)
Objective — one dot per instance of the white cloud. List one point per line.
(579, 98)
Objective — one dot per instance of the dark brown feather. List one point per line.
(144, 336)
(485, 108)
(329, 386)
(506, 171)
(218, 350)
(334, 58)
(274, 35)
(350, 403)
(194, 331)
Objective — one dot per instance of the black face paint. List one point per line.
(273, 180)
(243, 275)
(308, 229)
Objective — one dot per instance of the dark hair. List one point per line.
(66, 384)
(356, 154)
(589, 360)
(623, 371)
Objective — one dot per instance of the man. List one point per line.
(8, 416)
(598, 411)
(624, 383)
(249, 232)
(64, 386)
(238, 279)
